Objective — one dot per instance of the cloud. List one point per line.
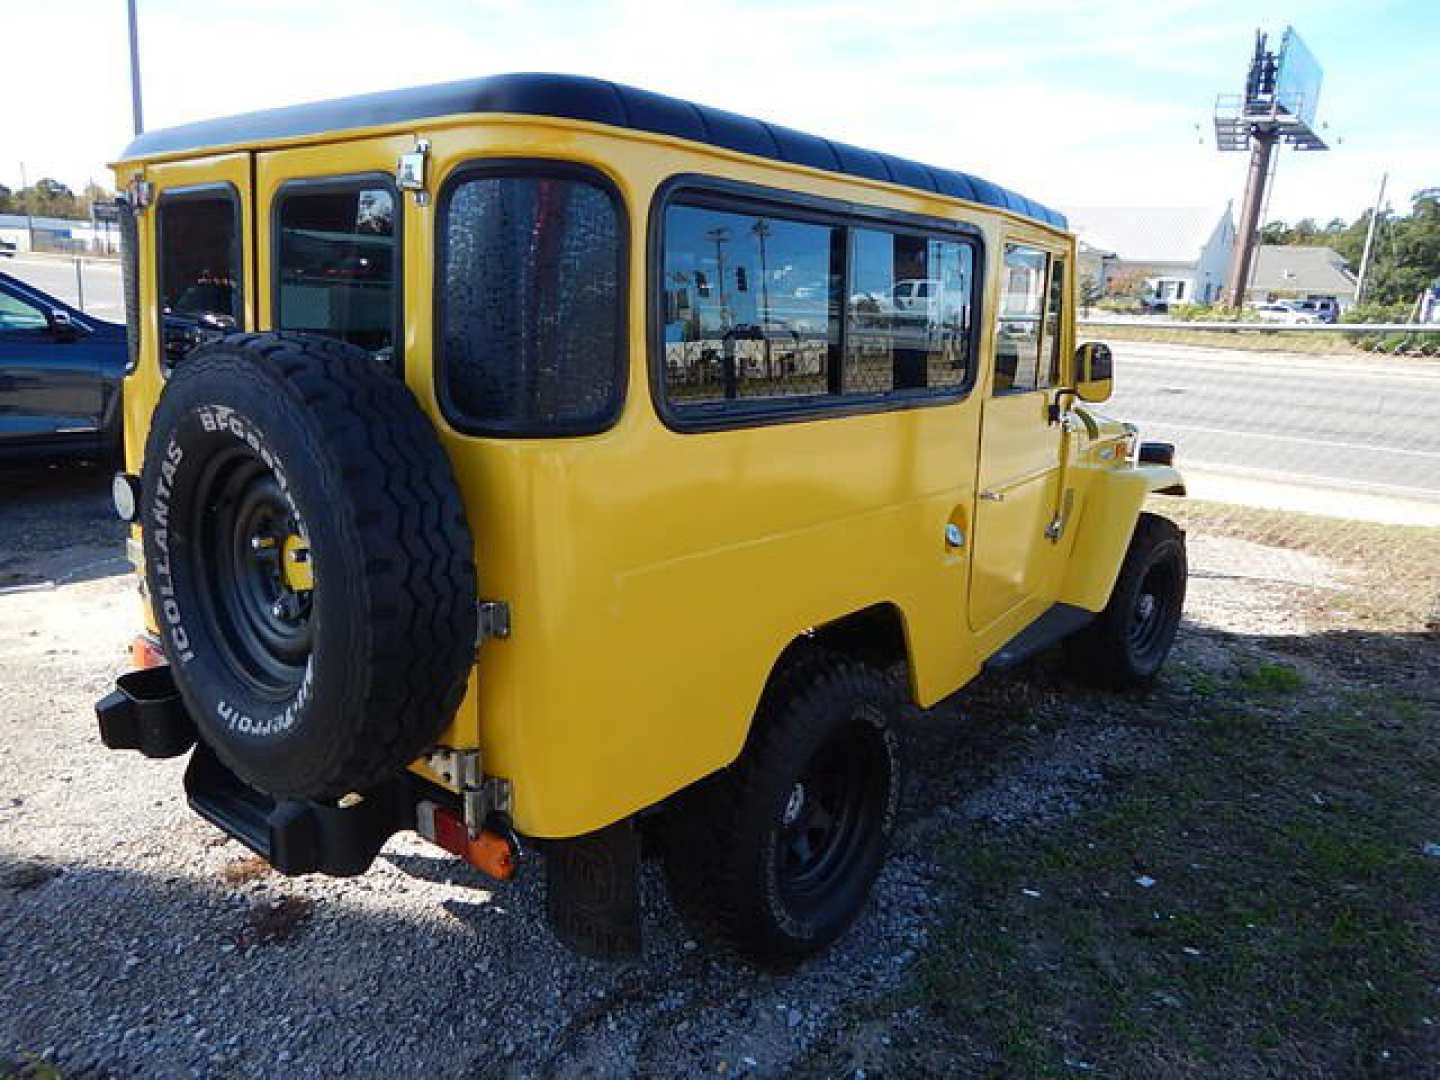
(1072, 104)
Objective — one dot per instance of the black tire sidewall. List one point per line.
(1152, 547)
(281, 746)
(790, 930)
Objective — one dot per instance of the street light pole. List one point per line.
(135, 70)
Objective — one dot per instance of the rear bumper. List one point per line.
(296, 836)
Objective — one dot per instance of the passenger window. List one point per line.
(18, 316)
(200, 268)
(752, 306)
(1054, 306)
(532, 305)
(908, 312)
(1018, 333)
(336, 264)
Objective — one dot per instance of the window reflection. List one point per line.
(908, 313)
(752, 305)
(199, 273)
(337, 266)
(1017, 337)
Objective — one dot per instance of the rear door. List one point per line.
(331, 259)
(201, 234)
(1015, 563)
(49, 375)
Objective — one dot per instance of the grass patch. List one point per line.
(1272, 679)
(1290, 929)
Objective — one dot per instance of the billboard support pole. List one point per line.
(1247, 233)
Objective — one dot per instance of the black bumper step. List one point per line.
(297, 836)
(144, 712)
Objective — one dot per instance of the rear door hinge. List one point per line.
(493, 622)
(410, 172)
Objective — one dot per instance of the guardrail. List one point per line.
(1268, 327)
(1391, 339)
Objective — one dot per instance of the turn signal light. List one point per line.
(145, 652)
(487, 851)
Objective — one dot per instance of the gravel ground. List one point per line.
(136, 940)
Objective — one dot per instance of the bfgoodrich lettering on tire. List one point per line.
(777, 853)
(309, 562)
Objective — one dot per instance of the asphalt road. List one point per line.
(55, 274)
(1357, 424)
(1329, 422)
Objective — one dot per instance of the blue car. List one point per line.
(60, 377)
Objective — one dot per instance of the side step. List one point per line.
(297, 836)
(1057, 623)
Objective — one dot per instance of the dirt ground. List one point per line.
(136, 940)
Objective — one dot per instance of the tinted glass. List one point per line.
(200, 291)
(752, 306)
(532, 307)
(17, 315)
(908, 312)
(1017, 337)
(337, 265)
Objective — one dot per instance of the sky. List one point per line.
(1102, 103)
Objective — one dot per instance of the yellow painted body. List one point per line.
(655, 577)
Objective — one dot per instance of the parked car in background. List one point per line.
(1326, 309)
(1284, 313)
(7, 248)
(60, 376)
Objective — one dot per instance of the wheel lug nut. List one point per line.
(277, 609)
(261, 543)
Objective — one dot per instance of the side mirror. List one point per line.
(62, 326)
(1094, 372)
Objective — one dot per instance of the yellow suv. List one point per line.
(535, 462)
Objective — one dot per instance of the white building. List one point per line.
(1183, 253)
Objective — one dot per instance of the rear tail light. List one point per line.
(488, 851)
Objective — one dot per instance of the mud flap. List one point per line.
(592, 886)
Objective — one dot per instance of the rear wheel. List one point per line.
(777, 853)
(1128, 642)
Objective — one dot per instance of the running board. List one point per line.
(1057, 623)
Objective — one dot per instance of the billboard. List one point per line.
(1297, 79)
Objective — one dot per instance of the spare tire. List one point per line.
(309, 562)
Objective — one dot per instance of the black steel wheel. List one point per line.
(1127, 644)
(776, 854)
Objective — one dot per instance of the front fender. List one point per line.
(1107, 521)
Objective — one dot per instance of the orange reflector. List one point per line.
(488, 852)
(145, 652)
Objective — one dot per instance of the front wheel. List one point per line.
(1129, 641)
(777, 853)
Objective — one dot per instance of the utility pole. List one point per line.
(1369, 243)
(135, 71)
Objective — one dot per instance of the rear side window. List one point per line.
(531, 301)
(199, 266)
(336, 263)
(773, 313)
